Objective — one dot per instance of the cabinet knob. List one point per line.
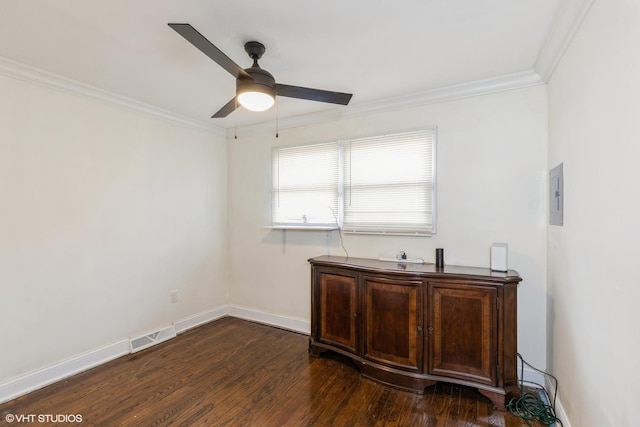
(430, 329)
(420, 328)
(355, 314)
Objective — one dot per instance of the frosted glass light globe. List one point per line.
(256, 101)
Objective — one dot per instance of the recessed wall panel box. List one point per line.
(556, 196)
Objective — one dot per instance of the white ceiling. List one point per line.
(376, 50)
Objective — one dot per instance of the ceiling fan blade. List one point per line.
(198, 40)
(313, 94)
(228, 108)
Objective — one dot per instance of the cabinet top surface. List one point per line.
(426, 269)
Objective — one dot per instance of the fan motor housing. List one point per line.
(262, 81)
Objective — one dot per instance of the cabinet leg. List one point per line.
(315, 350)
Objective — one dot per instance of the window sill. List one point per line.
(301, 227)
(406, 233)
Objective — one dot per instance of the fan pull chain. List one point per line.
(235, 119)
(276, 116)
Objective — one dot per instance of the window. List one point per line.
(382, 184)
(305, 185)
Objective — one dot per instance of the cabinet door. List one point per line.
(338, 310)
(393, 331)
(462, 332)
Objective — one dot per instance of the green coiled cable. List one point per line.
(531, 407)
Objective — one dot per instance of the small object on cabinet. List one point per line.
(499, 257)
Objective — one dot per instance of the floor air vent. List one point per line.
(146, 341)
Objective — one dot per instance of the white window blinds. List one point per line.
(305, 185)
(382, 184)
(389, 183)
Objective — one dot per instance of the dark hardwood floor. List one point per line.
(237, 373)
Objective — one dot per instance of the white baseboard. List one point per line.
(559, 409)
(43, 377)
(201, 318)
(295, 324)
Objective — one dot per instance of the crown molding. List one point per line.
(30, 74)
(568, 18)
(447, 93)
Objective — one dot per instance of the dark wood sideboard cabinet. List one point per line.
(412, 325)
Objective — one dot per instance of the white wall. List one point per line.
(594, 96)
(103, 212)
(492, 161)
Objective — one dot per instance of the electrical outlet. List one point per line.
(173, 296)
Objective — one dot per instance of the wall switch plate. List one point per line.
(173, 296)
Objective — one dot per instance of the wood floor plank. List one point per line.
(233, 372)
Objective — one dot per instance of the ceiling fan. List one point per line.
(256, 88)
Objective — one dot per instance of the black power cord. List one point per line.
(530, 406)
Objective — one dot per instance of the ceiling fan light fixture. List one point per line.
(258, 92)
(256, 88)
(256, 99)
